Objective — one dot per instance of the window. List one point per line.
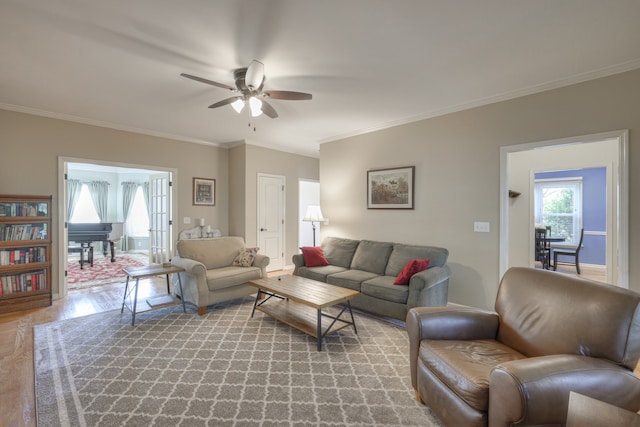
(138, 221)
(84, 211)
(558, 204)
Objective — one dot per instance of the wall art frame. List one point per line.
(391, 188)
(204, 192)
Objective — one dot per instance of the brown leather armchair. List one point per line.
(550, 334)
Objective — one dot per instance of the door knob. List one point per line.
(263, 229)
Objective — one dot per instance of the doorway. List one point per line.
(141, 244)
(516, 213)
(271, 191)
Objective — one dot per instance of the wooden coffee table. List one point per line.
(298, 302)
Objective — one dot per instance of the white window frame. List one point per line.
(573, 183)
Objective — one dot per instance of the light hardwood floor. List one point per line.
(17, 395)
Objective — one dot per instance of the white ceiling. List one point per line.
(369, 64)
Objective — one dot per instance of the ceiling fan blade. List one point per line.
(209, 82)
(225, 102)
(255, 75)
(288, 95)
(268, 110)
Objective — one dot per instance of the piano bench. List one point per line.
(84, 249)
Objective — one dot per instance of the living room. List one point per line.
(456, 155)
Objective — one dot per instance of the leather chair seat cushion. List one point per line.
(382, 287)
(351, 279)
(319, 273)
(465, 366)
(225, 277)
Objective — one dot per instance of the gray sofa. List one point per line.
(371, 268)
(210, 276)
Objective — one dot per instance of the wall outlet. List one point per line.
(186, 220)
(481, 227)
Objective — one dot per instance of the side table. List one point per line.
(155, 303)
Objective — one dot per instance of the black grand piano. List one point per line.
(107, 233)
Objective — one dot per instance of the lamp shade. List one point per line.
(314, 214)
(238, 105)
(256, 106)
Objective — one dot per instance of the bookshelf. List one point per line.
(25, 252)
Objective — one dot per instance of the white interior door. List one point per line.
(159, 218)
(271, 219)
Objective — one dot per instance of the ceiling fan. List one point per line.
(249, 86)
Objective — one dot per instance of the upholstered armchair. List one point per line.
(550, 334)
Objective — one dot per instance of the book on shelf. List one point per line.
(25, 282)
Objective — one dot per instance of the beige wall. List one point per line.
(293, 167)
(237, 183)
(30, 147)
(457, 160)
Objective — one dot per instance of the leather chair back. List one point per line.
(543, 313)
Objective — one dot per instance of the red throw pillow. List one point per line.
(313, 256)
(414, 266)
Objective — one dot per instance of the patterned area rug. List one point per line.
(221, 369)
(103, 271)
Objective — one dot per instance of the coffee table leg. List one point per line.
(184, 308)
(135, 303)
(124, 297)
(353, 321)
(319, 330)
(255, 303)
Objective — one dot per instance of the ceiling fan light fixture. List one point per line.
(255, 75)
(256, 106)
(238, 105)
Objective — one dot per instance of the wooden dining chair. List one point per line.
(542, 248)
(569, 252)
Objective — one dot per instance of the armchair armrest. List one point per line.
(456, 322)
(262, 261)
(194, 279)
(535, 391)
(190, 266)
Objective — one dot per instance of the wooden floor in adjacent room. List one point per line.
(17, 395)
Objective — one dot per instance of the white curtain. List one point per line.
(145, 193)
(73, 194)
(99, 191)
(128, 195)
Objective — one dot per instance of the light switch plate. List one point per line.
(186, 220)
(481, 227)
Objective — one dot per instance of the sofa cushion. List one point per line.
(414, 266)
(465, 366)
(371, 256)
(402, 254)
(224, 277)
(339, 251)
(213, 253)
(319, 273)
(382, 287)
(313, 256)
(350, 279)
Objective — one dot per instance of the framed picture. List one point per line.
(390, 188)
(204, 191)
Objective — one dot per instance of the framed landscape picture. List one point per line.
(390, 188)
(204, 191)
